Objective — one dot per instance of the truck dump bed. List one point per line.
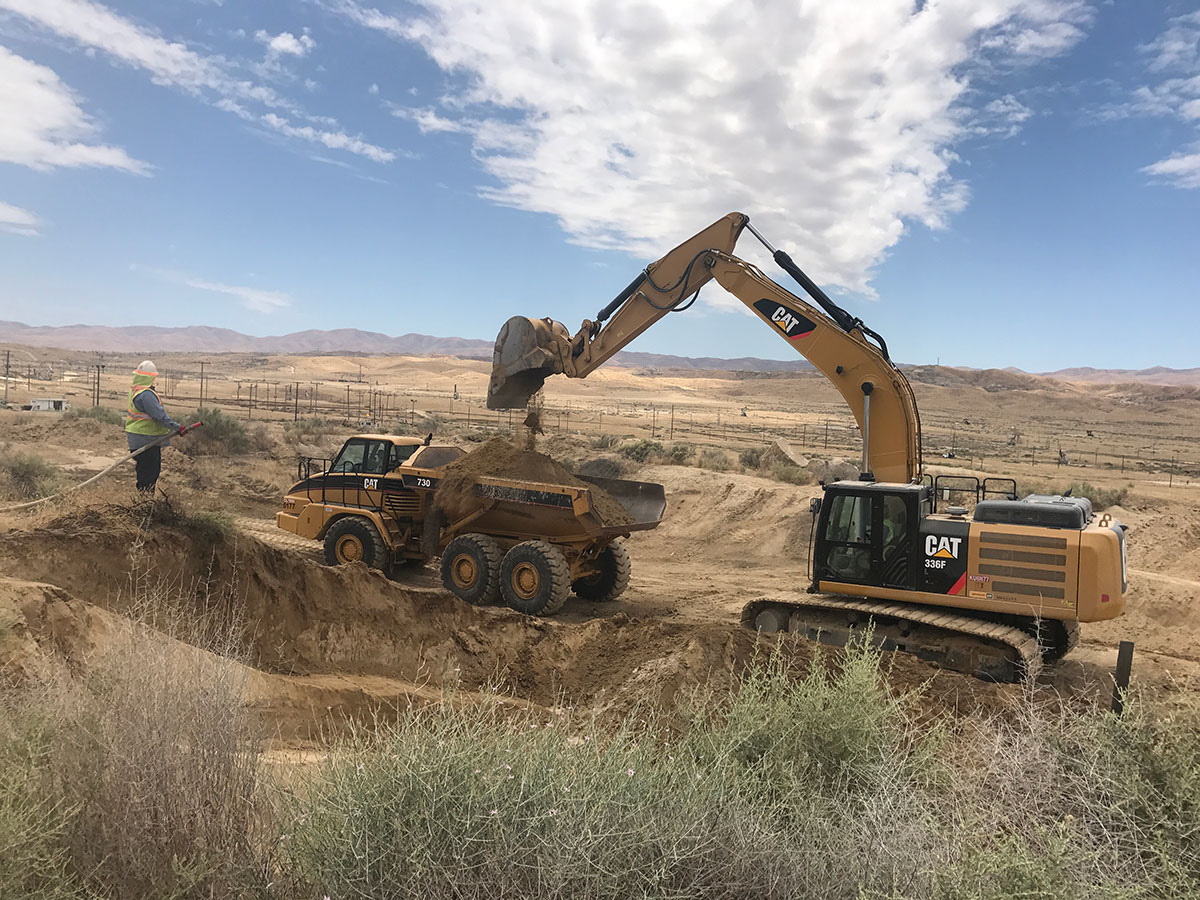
(554, 512)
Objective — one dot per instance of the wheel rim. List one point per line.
(464, 572)
(526, 580)
(349, 549)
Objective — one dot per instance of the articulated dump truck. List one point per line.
(528, 542)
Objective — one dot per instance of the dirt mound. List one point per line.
(497, 458)
(350, 634)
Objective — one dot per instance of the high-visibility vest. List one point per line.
(137, 421)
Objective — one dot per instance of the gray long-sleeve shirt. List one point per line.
(148, 403)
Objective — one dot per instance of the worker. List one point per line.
(145, 422)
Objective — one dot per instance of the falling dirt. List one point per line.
(498, 458)
(533, 421)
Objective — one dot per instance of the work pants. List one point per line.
(149, 464)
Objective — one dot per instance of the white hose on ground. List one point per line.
(124, 459)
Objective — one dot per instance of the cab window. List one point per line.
(895, 521)
(375, 460)
(351, 458)
(849, 519)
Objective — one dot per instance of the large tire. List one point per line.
(535, 578)
(355, 539)
(471, 569)
(612, 579)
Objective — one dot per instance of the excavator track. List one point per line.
(973, 646)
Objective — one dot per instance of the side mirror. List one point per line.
(814, 505)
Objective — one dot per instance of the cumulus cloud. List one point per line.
(172, 63)
(42, 125)
(285, 43)
(637, 122)
(15, 220)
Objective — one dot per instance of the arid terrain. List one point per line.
(326, 643)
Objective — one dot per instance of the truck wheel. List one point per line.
(471, 569)
(535, 578)
(612, 579)
(355, 539)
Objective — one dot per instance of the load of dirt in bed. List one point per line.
(500, 459)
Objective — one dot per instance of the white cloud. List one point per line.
(173, 63)
(373, 90)
(42, 125)
(1181, 170)
(429, 122)
(253, 299)
(334, 140)
(15, 220)
(1175, 53)
(638, 122)
(1178, 47)
(285, 43)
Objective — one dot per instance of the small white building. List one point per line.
(49, 404)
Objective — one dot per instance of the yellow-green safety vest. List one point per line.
(137, 421)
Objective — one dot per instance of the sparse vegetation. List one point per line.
(26, 476)
(641, 450)
(221, 434)
(751, 457)
(714, 459)
(310, 429)
(679, 454)
(1102, 498)
(140, 780)
(603, 467)
(97, 413)
(605, 442)
(790, 473)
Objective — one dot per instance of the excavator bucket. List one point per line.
(528, 351)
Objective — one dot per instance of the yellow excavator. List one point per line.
(995, 592)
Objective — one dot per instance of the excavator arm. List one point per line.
(530, 350)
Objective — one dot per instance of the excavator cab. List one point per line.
(867, 533)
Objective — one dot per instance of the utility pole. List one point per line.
(203, 363)
(7, 357)
(296, 403)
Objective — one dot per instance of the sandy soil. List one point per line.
(324, 645)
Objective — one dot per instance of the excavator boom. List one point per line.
(528, 351)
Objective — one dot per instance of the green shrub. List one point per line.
(1102, 498)
(603, 467)
(680, 454)
(641, 450)
(605, 442)
(751, 457)
(309, 429)
(98, 413)
(790, 473)
(770, 798)
(27, 476)
(711, 458)
(220, 434)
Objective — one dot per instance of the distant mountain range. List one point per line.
(150, 339)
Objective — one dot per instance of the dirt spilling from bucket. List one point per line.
(498, 458)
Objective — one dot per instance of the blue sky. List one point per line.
(984, 182)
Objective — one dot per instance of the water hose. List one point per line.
(124, 459)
